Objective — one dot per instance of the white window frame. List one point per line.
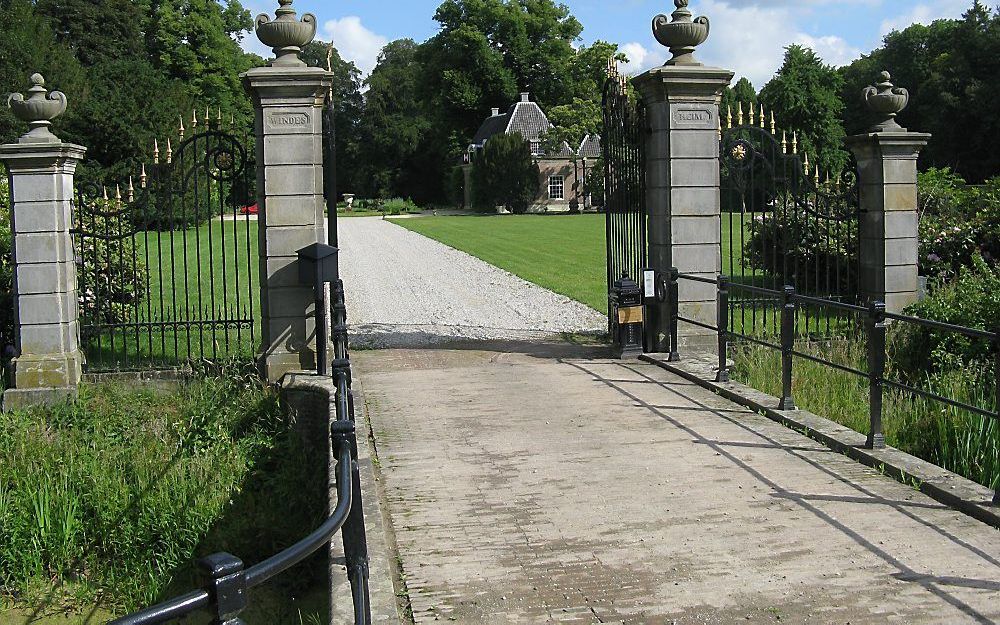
(557, 183)
(536, 148)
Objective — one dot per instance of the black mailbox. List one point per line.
(317, 264)
(627, 315)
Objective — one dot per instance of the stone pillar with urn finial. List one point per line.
(48, 362)
(288, 98)
(682, 171)
(887, 181)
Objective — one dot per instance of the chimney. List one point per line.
(496, 112)
(524, 97)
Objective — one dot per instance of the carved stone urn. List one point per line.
(38, 109)
(887, 100)
(286, 35)
(681, 33)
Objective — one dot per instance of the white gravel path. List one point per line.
(404, 289)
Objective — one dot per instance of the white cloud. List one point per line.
(354, 42)
(925, 13)
(832, 49)
(639, 59)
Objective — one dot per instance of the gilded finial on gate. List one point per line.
(774, 127)
(194, 120)
(739, 113)
(888, 101)
(118, 195)
(131, 190)
(816, 177)
(38, 110)
(795, 142)
(104, 192)
(218, 117)
(763, 118)
(207, 118)
(752, 115)
(784, 142)
(142, 177)
(681, 33)
(285, 35)
(805, 163)
(182, 127)
(729, 117)
(156, 152)
(170, 152)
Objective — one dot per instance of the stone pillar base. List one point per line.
(20, 398)
(48, 371)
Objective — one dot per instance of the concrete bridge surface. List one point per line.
(542, 482)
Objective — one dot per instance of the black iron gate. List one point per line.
(167, 262)
(623, 147)
(784, 223)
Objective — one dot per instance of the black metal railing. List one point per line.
(875, 336)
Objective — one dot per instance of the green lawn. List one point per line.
(563, 253)
(192, 275)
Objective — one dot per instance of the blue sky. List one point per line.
(747, 36)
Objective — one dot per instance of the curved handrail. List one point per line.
(168, 610)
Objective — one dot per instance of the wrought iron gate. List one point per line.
(623, 147)
(784, 223)
(168, 262)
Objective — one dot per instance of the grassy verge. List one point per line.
(954, 439)
(106, 502)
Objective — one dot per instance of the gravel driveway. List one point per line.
(404, 289)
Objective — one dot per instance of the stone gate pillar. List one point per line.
(682, 171)
(288, 99)
(48, 364)
(887, 172)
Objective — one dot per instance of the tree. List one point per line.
(805, 98)
(99, 31)
(505, 174)
(348, 106)
(950, 69)
(742, 93)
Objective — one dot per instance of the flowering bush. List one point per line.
(957, 223)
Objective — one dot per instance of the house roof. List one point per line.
(525, 117)
(590, 147)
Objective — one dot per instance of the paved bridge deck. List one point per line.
(533, 484)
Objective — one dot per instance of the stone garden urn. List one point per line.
(38, 109)
(349, 201)
(285, 34)
(681, 33)
(888, 101)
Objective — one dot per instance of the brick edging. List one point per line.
(941, 485)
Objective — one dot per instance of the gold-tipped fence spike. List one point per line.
(729, 117)
(805, 163)
(720, 128)
(182, 127)
(194, 119)
(118, 196)
(816, 177)
(131, 190)
(739, 113)
(208, 118)
(827, 179)
(784, 142)
(104, 192)
(156, 152)
(774, 127)
(170, 152)
(753, 121)
(142, 177)
(795, 142)
(763, 118)
(218, 117)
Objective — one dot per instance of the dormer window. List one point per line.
(536, 148)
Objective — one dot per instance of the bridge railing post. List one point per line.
(876, 372)
(674, 296)
(723, 326)
(788, 312)
(225, 580)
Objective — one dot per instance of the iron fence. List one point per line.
(874, 324)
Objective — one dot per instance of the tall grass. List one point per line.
(114, 495)
(957, 440)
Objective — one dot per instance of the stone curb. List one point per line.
(944, 486)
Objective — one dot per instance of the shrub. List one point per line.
(455, 186)
(6, 266)
(972, 300)
(113, 276)
(399, 206)
(957, 223)
(505, 174)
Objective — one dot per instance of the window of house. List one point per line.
(556, 188)
(536, 148)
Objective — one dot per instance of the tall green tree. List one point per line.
(99, 31)
(805, 97)
(743, 93)
(950, 69)
(505, 174)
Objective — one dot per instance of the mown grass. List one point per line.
(563, 253)
(108, 500)
(954, 439)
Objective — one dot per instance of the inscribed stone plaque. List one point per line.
(693, 116)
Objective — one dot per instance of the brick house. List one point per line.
(558, 172)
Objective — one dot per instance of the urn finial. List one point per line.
(887, 100)
(286, 35)
(682, 33)
(38, 109)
